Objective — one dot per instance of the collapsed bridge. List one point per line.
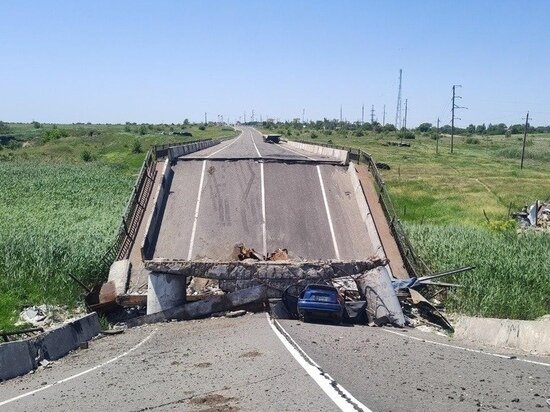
(305, 198)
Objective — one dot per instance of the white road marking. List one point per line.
(225, 147)
(335, 244)
(43, 388)
(341, 397)
(264, 231)
(467, 349)
(194, 230)
(256, 147)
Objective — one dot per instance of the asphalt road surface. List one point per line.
(241, 364)
(262, 195)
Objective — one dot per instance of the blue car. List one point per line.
(320, 302)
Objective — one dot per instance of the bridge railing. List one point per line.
(133, 213)
(414, 265)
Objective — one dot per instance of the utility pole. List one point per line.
(362, 114)
(437, 138)
(524, 139)
(340, 113)
(252, 116)
(384, 116)
(244, 117)
(205, 118)
(398, 108)
(372, 114)
(303, 115)
(405, 120)
(455, 106)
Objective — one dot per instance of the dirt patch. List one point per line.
(213, 402)
(203, 365)
(251, 354)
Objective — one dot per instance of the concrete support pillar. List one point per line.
(165, 291)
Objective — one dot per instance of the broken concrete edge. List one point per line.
(158, 205)
(119, 275)
(342, 155)
(254, 269)
(532, 336)
(366, 216)
(20, 357)
(204, 308)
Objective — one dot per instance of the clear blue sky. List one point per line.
(163, 61)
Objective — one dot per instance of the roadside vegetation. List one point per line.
(456, 207)
(63, 191)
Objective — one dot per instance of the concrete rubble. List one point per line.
(535, 216)
(47, 315)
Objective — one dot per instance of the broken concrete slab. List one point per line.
(15, 359)
(118, 274)
(264, 270)
(19, 358)
(165, 291)
(382, 304)
(204, 308)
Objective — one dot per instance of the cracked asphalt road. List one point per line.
(239, 364)
(212, 364)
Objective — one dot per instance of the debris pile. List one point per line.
(536, 216)
(47, 315)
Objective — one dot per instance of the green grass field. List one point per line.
(59, 210)
(441, 199)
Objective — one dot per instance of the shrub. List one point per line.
(142, 129)
(55, 133)
(202, 127)
(471, 140)
(406, 134)
(36, 124)
(314, 135)
(136, 146)
(86, 156)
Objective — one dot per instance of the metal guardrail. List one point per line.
(414, 265)
(133, 213)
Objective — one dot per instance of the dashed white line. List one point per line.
(43, 388)
(194, 230)
(340, 396)
(331, 227)
(466, 349)
(264, 231)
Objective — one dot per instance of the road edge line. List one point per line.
(497, 355)
(24, 395)
(340, 396)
